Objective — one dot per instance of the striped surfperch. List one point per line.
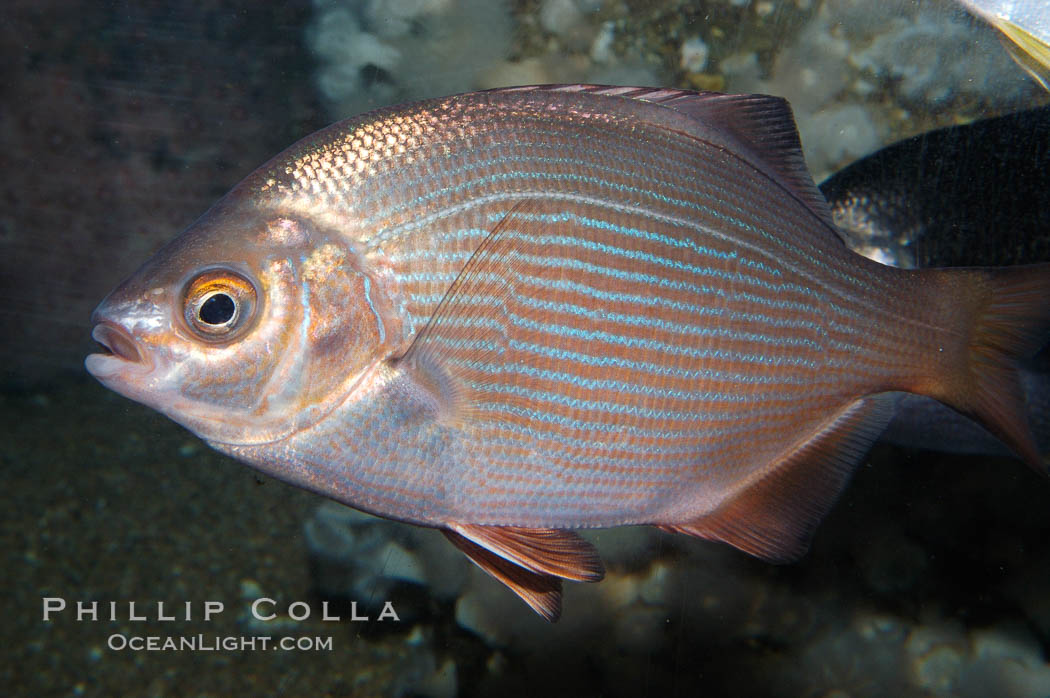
(515, 313)
(987, 204)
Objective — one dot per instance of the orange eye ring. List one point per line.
(218, 304)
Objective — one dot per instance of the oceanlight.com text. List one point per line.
(216, 643)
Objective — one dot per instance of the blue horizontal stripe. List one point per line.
(646, 389)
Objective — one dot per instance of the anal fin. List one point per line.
(530, 561)
(775, 511)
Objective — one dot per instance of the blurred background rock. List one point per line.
(122, 122)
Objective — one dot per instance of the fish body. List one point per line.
(514, 313)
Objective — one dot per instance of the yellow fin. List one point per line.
(1028, 51)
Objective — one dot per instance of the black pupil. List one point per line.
(217, 310)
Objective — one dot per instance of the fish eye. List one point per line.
(217, 309)
(218, 304)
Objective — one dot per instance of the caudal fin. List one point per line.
(1010, 321)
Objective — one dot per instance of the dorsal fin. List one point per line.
(758, 127)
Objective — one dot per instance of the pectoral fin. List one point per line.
(530, 561)
(460, 357)
(774, 513)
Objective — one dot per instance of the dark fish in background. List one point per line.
(972, 195)
(514, 313)
(968, 195)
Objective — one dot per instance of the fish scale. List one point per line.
(532, 310)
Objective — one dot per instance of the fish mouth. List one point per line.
(115, 341)
(119, 352)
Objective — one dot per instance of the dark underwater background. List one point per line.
(121, 122)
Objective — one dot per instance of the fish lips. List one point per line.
(121, 362)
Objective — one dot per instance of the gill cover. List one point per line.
(246, 328)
